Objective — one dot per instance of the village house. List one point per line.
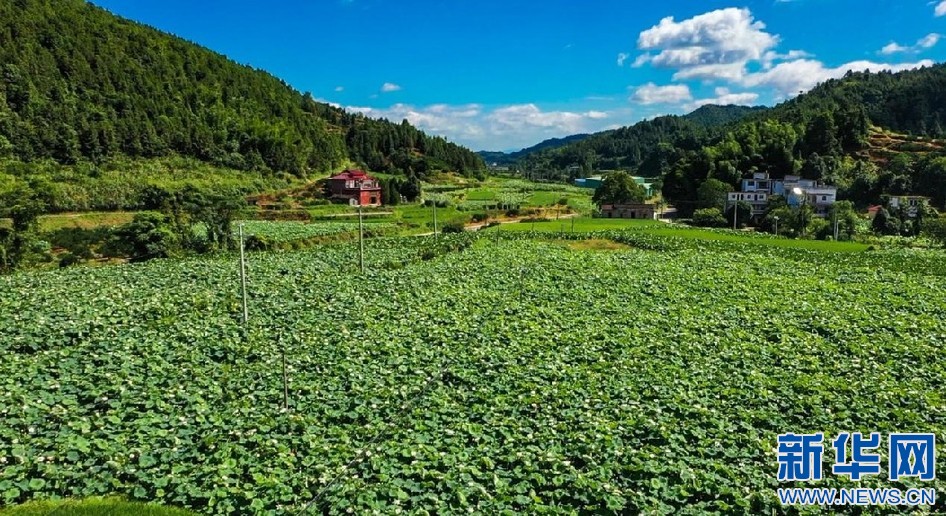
(628, 211)
(910, 203)
(356, 187)
(797, 191)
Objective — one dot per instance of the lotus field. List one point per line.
(288, 231)
(491, 374)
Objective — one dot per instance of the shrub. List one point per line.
(147, 236)
(257, 243)
(709, 217)
(480, 217)
(68, 260)
(454, 226)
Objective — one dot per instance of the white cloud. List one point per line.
(339, 88)
(506, 127)
(389, 87)
(712, 72)
(724, 97)
(940, 8)
(642, 60)
(731, 46)
(769, 58)
(623, 57)
(650, 93)
(713, 45)
(893, 48)
(791, 77)
(926, 42)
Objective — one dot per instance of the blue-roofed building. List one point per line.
(589, 182)
(595, 182)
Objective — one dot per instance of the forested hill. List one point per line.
(840, 132)
(870, 134)
(80, 84)
(712, 115)
(635, 147)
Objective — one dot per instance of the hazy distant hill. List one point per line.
(628, 147)
(506, 158)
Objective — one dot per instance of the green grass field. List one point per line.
(653, 227)
(86, 220)
(92, 507)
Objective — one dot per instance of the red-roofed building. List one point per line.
(355, 184)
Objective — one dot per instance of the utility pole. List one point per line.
(285, 375)
(834, 209)
(435, 219)
(361, 239)
(776, 224)
(246, 312)
(735, 213)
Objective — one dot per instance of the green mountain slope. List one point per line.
(79, 84)
(712, 115)
(642, 147)
(830, 133)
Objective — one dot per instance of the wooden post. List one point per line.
(246, 312)
(361, 239)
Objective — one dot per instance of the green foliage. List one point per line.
(846, 216)
(619, 188)
(267, 235)
(19, 244)
(709, 217)
(935, 229)
(454, 226)
(410, 189)
(742, 211)
(211, 210)
(885, 224)
(785, 218)
(712, 194)
(149, 235)
(478, 385)
(711, 115)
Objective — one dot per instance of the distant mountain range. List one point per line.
(508, 158)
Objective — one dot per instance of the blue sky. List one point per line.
(502, 75)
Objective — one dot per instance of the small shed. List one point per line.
(629, 211)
